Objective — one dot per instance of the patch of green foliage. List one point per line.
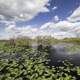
(72, 40)
(29, 69)
(32, 64)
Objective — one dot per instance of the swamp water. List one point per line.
(40, 63)
(57, 53)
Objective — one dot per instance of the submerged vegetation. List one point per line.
(20, 61)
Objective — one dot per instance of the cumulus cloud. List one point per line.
(61, 25)
(21, 31)
(66, 28)
(26, 29)
(46, 25)
(56, 18)
(62, 35)
(60, 30)
(22, 9)
(75, 16)
(65, 25)
(54, 8)
(50, 24)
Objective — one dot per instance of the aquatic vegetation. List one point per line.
(27, 63)
(28, 69)
(34, 66)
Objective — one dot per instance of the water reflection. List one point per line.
(57, 54)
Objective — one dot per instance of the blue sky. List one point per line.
(64, 9)
(18, 14)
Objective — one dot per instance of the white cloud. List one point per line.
(54, 8)
(61, 25)
(56, 18)
(66, 28)
(75, 15)
(59, 30)
(62, 35)
(50, 24)
(7, 22)
(62, 29)
(22, 9)
(47, 25)
(21, 31)
(26, 29)
(64, 25)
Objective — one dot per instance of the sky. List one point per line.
(57, 18)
